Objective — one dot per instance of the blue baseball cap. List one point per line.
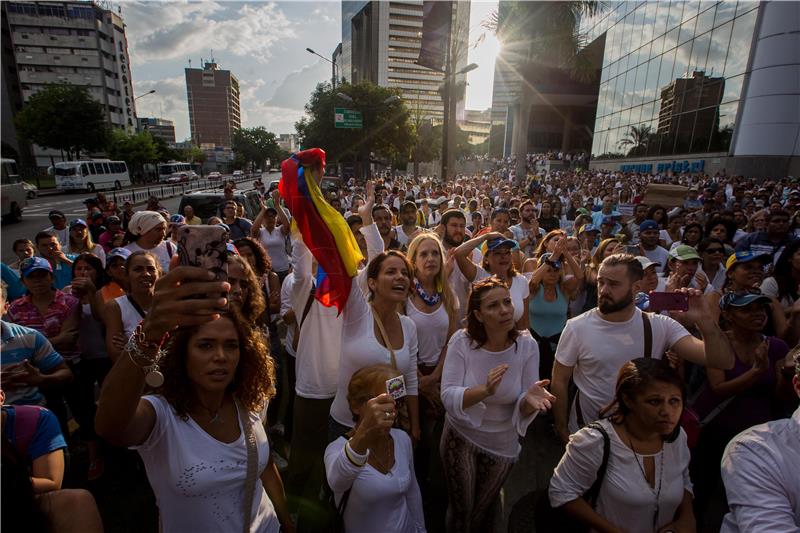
(609, 220)
(546, 258)
(745, 257)
(497, 243)
(124, 253)
(736, 299)
(32, 264)
(78, 222)
(649, 224)
(232, 249)
(180, 220)
(587, 228)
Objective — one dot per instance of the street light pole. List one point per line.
(151, 91)
(310, 51)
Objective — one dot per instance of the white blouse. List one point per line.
(496, 423)
(626, 499)
(431, 331)
(389, 503)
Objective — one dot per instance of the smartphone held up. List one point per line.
(205, 247)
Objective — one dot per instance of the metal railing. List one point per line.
(169, 190)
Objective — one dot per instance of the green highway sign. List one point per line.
(348, 118)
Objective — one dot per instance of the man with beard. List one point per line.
(408, 220)
(595, 344)
(453, 231)
(527, 232)
(383, 220)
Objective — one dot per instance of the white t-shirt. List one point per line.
(361, 348)
(431, 331)
(319, 345)
(659, 255)
(163, 252)
(389, 503)
(496, 423)
(61, 234)
(626, 499)
(274, 242)
(199, 481)
(519, 291)
(97, 251)
(769, 287)
(597, 349)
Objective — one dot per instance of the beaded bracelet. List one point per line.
(147, 362)
(352, 456)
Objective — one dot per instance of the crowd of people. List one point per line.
(656, 344)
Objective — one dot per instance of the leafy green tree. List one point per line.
(164, 152)
(256, 146)
(387, 129)
(136, 150)
(64, 117)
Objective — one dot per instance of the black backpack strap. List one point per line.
(578, 410)
(594, 491)
(648, 335)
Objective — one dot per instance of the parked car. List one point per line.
(213, 176)
(207, 203)
(30, 189)
(237, 173)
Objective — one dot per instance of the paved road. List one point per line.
(34, 217)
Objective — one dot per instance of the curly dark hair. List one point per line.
(476, 330)
(730, 228)
(254, 380)
(263, 263)
(254, 304)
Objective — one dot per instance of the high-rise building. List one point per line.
(381, 43)
(80, 43)
(158, 127)
(288, 142)
(476, 125)
(213, 96)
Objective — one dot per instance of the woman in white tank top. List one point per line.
(125, 312)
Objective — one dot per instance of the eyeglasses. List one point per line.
(715, 250)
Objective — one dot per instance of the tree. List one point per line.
(64, 117)
(136, 150)
(255, 145)
(387, 130)
(638, 138)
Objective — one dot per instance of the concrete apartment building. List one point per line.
(80, 43)
(381, 43)
(158, 127)
(214, 112)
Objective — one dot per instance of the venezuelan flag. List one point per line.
(324, 230)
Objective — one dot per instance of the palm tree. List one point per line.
(637, 139)
(545, 33)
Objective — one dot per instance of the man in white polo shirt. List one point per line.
(597, 343)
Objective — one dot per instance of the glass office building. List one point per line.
(698, 86)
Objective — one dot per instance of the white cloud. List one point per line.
(167, 31)
(169, 101)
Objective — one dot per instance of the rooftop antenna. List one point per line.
(190, 62)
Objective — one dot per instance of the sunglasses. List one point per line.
(715, 250)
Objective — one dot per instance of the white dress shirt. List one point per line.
(761, 472)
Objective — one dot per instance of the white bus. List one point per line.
(91, 175)
(13, 195)
(176, 171)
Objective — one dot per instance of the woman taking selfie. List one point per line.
(491, 393)
(646, 487)
(371, 469)
(203, 445)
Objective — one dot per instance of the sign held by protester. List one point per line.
(665, 195)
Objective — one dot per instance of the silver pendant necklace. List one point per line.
(656, 492)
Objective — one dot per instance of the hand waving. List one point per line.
(538, 397)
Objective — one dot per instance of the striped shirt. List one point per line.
(20, 344)
(63, 306)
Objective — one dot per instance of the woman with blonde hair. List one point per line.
(80, 241)
(371, 468)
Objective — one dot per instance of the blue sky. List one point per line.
(264, 44)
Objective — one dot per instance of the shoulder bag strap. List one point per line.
(252, 466)
(648, 335)
(594, 491)
(136, 306)
(385, 338)
(578, 411)
(306, 309)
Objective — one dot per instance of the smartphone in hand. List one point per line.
(668, 301)
(205, 247)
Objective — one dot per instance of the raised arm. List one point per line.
(464, 251)
(286, 225)
(123, 417)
